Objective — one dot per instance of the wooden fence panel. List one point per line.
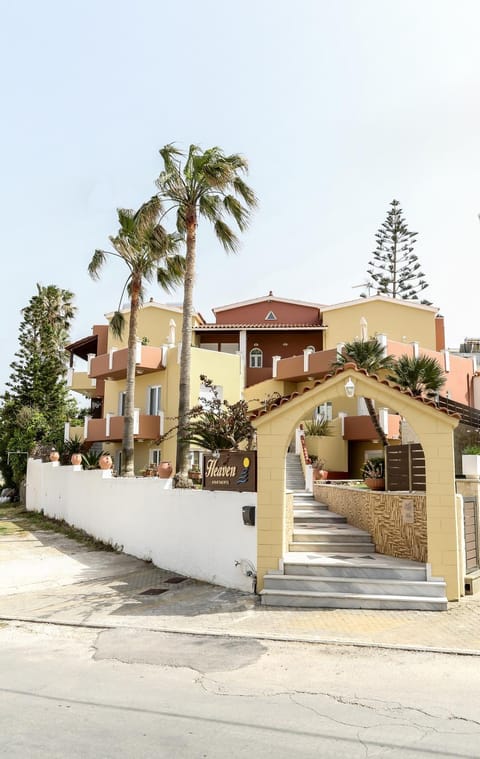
(405, 467)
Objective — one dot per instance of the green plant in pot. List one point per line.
(373, 473)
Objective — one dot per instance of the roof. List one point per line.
(262, 325)
(340, 370)
(84, 346)
(381, 299)
(270, 298)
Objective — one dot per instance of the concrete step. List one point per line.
(369, 565)
(325, 547)
(331, 533)
(300, 520)
(310, 599)
(355, 585)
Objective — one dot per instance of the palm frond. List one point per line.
(226, 236)
(171, 272)
(117, 324)
(98, 259)
(246, 192)
(210, 206)
(239, 212)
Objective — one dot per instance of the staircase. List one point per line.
(331, 564)
(294, 472)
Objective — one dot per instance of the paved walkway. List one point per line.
(46, 577)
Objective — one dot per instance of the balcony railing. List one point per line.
(362, 428)
(146, 427)
(113, 365)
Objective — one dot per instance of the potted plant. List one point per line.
(373, 473)
(471, 461)
(319, 469)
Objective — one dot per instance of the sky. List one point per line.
(339, 106)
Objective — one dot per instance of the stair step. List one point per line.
(355, 585)
(329, 548)
(318, 521)
(333, 533)
(311, 599)
(355, 567)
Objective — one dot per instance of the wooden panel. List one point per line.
(406, 467)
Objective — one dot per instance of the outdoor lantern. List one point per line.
(349, 388)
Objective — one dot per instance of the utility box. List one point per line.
(248, 514)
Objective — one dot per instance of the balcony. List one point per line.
(113, 365)
(362, 428)
(146, 427)
(80, 382)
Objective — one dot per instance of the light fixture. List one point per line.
(215, 454)
(349, 388)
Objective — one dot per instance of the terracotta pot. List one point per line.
(164, 470)
(105, 461)
(320, 474)
(76, 459)
(54, 456)
(373, 483)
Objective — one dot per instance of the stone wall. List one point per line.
(397, 522)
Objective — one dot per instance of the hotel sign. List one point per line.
(233, 470)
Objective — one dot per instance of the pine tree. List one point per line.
(36, 403)
(394, 269)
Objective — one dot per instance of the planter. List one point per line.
(195, 476)
(76, 459)
(375, 483)
(320, 474)
(105, 462)
(470, 465)
(164, 470)
(54, 456)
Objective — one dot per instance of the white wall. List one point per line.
(197, 533)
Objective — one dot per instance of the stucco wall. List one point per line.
(383, 516)
(193, 532)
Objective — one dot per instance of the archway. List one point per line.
(434, 428)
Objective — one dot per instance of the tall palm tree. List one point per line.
(369, 355)
(148, 251)
(208, 184)
(422, 375)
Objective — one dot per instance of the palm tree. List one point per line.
(369, 355)
(148, 251)
(422, 375)
(209, 185)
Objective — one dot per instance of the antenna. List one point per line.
(368, 285)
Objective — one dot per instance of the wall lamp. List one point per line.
(349, 388)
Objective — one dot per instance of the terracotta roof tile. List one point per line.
(339, 370)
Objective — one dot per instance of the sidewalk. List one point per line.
(46, 577)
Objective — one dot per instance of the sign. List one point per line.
(233, 470)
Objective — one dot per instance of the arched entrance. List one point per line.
(435, 432)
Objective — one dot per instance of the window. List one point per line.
(256, 358)
(155, 456)
(270, 317)
(154, 400)
(324, 411)
(122, 398)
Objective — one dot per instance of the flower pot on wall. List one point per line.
(54, 456)
(375, 483)
(164, 470)
(105, 462)
(76, 459)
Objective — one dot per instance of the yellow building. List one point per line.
(156, 383)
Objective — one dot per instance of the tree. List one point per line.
(36, 403)
(369, 355)
(209, 185)
(422, 375)
(394, 268)
(148, 251)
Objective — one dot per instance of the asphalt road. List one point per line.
(68, 692)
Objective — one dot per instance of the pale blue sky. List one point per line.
(339, 107)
